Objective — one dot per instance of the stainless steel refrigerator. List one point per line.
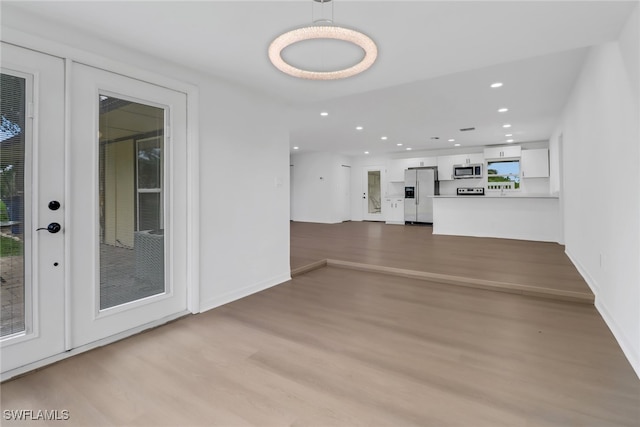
(420, 185)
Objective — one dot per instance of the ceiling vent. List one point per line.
(467, 129)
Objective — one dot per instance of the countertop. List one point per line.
(499, 196)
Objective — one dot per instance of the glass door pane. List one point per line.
(132, 250)
(375, 192)
(12, 192)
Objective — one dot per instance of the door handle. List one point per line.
(52, 228)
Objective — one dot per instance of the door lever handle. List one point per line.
(53, 228)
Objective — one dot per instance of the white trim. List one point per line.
(244, 292)
(68, 67)
(70, 54)
(618, 333)
(623, 341)
(193, 202)
(109, 340)
(583, 272)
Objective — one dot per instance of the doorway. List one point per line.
(372, 194)
(93, 228)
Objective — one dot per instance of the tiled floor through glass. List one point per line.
(121, 279)
(11, 292)
(120, 284)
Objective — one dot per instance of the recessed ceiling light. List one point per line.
(408, 148)
(456, 145)
(384, 138)
(399, 144)
(451, 140)
(509, 140)
(503, 110)
(324, 114)
(506, 125)
(496, 84)
(359, 128)
(296, 148)
(366, 152)
(508, 135)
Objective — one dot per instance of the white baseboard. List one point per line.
(625, 344)
(583, 272)
(243, 292)
(623, 341)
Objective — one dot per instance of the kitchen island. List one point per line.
(518, 216)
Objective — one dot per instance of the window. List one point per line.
(503, 175)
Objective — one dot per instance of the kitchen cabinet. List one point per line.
(509, 151)
(396, 167)
(446, 164)
(394, 210)
(535, 163)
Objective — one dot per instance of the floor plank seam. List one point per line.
(469, 282)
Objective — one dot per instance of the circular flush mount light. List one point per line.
(496, 85)
(322, 32)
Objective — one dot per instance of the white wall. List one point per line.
(319, 183)
(601, 173)
(244, 163)
(244, 204)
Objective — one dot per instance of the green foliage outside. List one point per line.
(503, 178)
(10, 247)
(4, 214)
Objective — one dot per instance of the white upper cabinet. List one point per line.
(509, 151)
(535, 163)
(395, 171)
(446, 164)
(396, 167)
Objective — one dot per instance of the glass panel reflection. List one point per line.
(375, 192)
(12, 186)
(131, 201)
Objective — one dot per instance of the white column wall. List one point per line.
(601, 154)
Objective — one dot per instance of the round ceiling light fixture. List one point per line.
(324, 31)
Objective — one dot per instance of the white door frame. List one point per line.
(72, 55)
(90, 322)
(365, 194)
(44, 262)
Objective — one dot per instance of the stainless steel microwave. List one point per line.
(467, 171)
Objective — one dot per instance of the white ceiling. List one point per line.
(436, 61)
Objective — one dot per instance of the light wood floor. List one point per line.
(524, 264)
(348, 348)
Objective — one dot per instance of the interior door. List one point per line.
(32, 166)
(372, 194)
(128, 239)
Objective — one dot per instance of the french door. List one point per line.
(108, 203)
(32, 263)
(128, 217)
